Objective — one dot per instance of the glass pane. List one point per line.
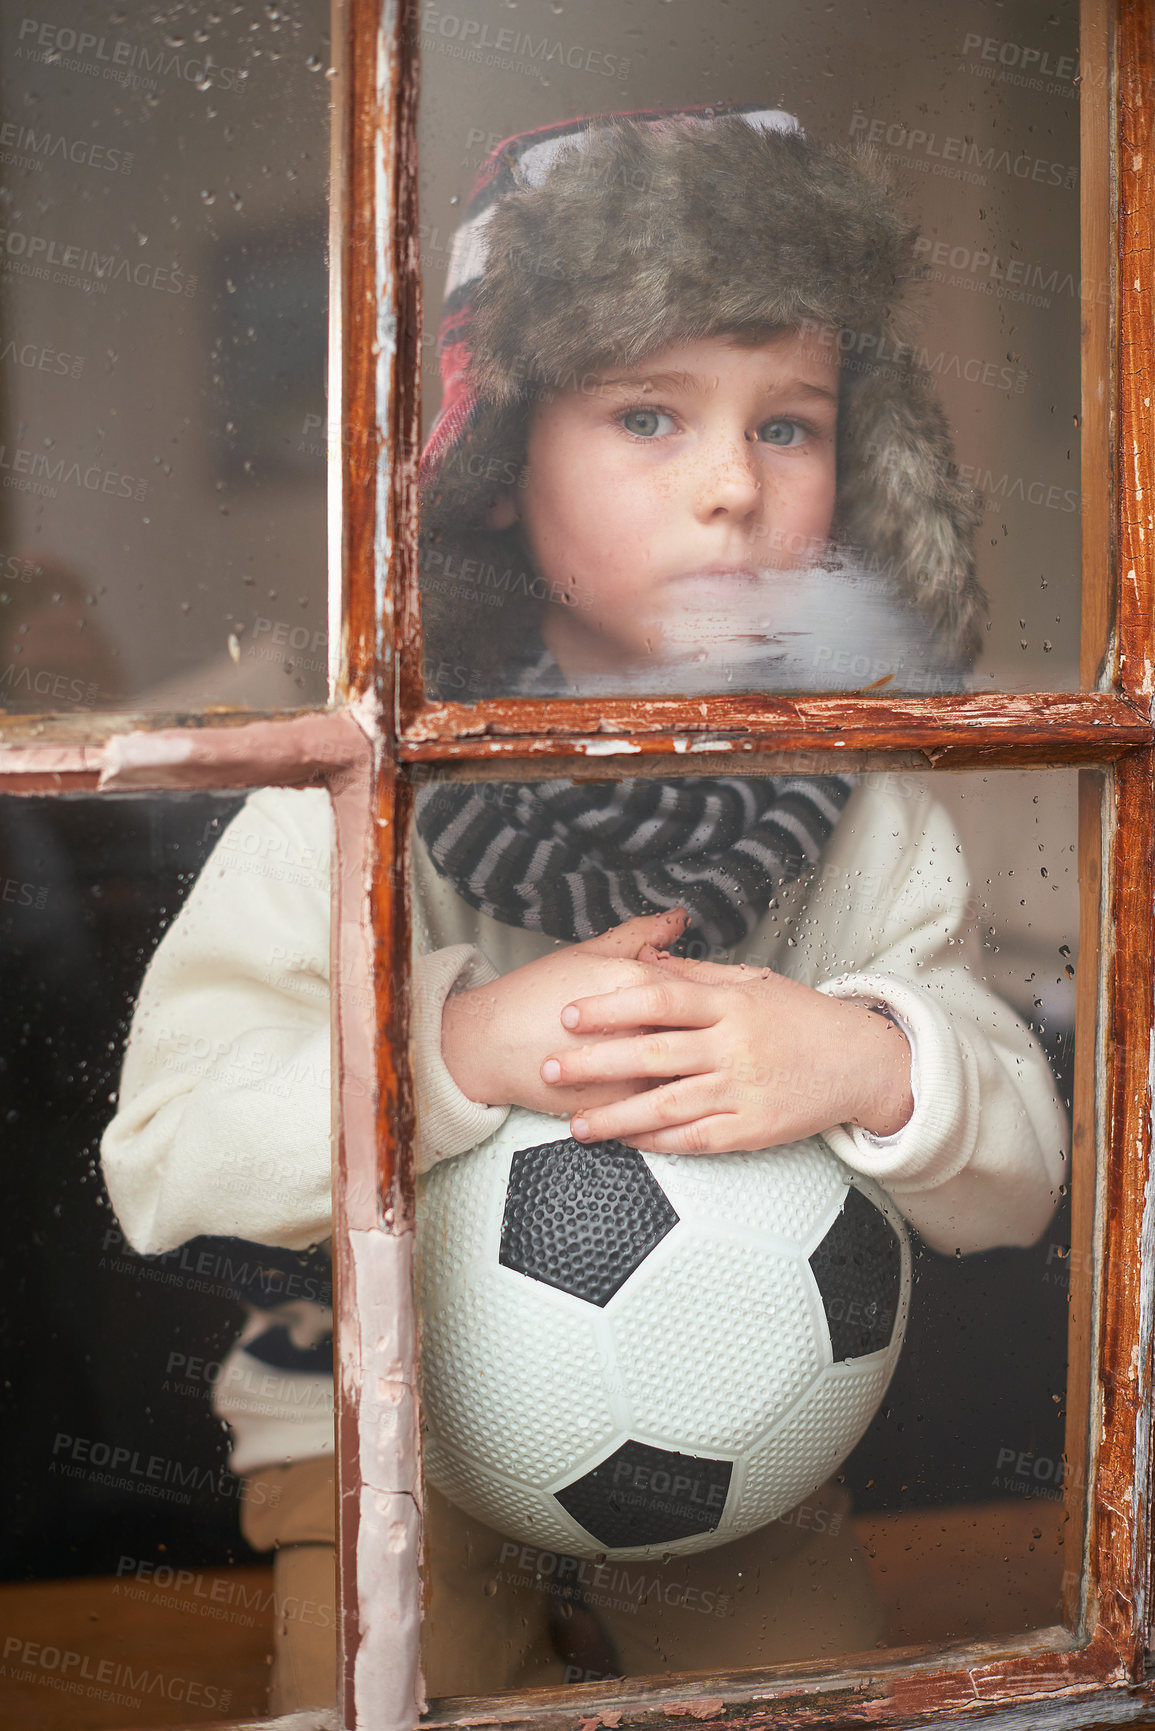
(687, 441)
(690, 1407)
(162, 342)
(168, 1339)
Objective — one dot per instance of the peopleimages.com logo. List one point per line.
(916, 141)
(75, 1673)
(27, 148)
(42, 256)
(1014, 279)
(119, 60)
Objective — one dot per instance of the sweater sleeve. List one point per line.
(448, 1122)
(224, 1115)
(223, 1123)
(981, 1159)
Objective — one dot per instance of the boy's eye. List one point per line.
(647, 423)
(781, 433)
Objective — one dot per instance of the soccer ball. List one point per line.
(649, 1354)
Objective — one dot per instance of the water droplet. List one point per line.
(208, 197)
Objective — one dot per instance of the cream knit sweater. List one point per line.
(223, 1125)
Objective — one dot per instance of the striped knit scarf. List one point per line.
(573, 859)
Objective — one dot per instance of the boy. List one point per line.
(643, 412)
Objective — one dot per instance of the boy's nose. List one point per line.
(731, 480)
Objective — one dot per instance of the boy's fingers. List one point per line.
(712, 973)
(679, 1105)
(654, 930)
(703, 1136)
(671, 1003)
(665, 1055)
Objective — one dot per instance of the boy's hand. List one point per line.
(495, 1038)
(755, 1060)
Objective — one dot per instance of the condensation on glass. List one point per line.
(138, 1583)
(976, 121)
(626, 1357)
(163, 329)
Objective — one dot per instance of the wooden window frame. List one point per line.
(379, 735)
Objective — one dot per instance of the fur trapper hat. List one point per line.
(599, 242)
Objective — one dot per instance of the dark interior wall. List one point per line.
(94, 1335)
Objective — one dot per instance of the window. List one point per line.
(393, 727)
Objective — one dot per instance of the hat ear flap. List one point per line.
(485, 460)
(903, 503)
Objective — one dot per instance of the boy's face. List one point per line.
(658, 498)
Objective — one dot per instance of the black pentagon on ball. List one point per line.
(858, 1268)
(582, 1217)
(641, 1495)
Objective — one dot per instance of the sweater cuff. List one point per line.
(448, 1122)
(936, 1142)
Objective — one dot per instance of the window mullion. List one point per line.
(1118, 1539)
(1135, 299)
